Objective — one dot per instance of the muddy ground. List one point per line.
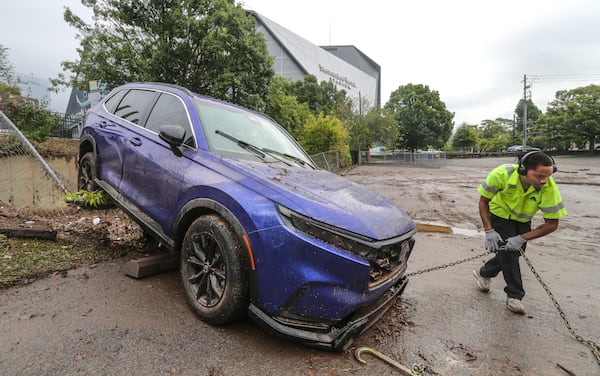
(97, 321)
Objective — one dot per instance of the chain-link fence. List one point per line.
(434, 158)
(48, 124)
(329, 160)
(27, 179)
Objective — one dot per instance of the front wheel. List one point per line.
(86, 173)
(213, 272)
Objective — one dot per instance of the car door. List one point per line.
(110, 136)
(152, 173)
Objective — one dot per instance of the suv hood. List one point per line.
(329, 198)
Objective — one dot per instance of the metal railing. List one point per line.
(64, 126)
(433, 158)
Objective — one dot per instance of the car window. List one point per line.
(134, 104)
(112, 102)
(245, 126)
(169, 109)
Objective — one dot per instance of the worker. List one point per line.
(510, 196)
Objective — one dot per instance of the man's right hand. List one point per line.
(492, 240)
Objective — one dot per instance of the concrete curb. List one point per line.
(431, 227)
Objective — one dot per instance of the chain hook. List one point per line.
(385, 358)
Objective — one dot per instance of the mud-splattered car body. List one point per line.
(261, 230)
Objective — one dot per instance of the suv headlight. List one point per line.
(384, 256)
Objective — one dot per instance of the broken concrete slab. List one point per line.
(155, 264)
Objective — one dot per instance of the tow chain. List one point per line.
(591, 344)
(418, 369)
(447, 265)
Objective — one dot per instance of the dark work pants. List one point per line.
(507, 262)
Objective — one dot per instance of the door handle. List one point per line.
(103, 124)
(136, 141)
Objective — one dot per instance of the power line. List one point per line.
(549, 78)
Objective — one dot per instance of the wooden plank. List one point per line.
(29, 233)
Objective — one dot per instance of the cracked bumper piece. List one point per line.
(328, 337)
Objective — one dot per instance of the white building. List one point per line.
(346, 66)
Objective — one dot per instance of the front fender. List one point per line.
(195, 208)
(86, 144)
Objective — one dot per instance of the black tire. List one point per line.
(213, 271)
(86, 173)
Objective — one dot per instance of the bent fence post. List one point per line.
(4, 119)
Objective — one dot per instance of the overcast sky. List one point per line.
(473, 52)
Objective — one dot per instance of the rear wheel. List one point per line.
(86, 173)
(212, 271)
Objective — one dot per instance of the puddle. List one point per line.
(24, 183)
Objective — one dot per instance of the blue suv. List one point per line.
(259, 228)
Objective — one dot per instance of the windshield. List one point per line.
(248, 126)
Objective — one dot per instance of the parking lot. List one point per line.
(97, 321)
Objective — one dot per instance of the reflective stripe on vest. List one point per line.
(509, 169)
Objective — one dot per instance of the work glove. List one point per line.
(515, 243)
(492, 239)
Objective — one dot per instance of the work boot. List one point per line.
(482, 282)
(515, 305)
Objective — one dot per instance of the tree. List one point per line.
(321, 97)
(29, 115)
(422, 118)
(495, 135)
(208, 46)
(32, 118)
(324, 133)
(373, 125)
(533, 113)
(284, 108)
(7, 72)
(574, 116)
(465, 136)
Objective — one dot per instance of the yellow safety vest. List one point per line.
(508, 200)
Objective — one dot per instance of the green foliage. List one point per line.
(377, 126)
(33, 119)
(284, 108)
(93, 199)
(208, 46)
(573, 117)
(465, 136)
(533, 112)
(297, 104)
(7, 73)
(10, 144)
(24, 259)
(495, 135)
(324, 133)
(321, 98)
(422, 118)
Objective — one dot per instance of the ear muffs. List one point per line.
(522, 170)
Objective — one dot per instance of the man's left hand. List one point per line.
(515, 243)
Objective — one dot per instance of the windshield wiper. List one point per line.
(262, 152)
(300, 161)
(243, 144)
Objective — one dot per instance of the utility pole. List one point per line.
(514, 124)
(525, 87)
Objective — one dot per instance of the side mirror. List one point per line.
(174, 135)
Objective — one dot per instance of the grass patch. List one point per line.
(23, 260)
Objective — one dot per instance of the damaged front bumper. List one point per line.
(329, 337)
